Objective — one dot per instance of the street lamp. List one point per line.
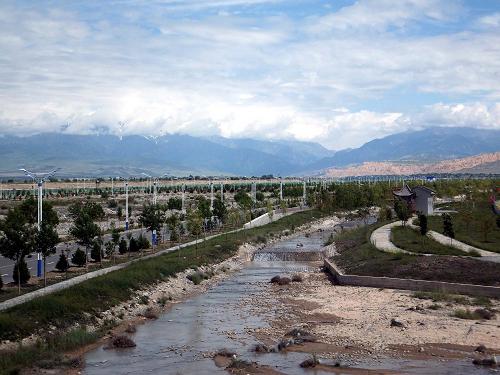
(40, 178)
(154, 179)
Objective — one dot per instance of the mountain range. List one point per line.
(179, 154)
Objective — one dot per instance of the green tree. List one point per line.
(85, 230)
(173, 224)
(133, 246)
(220, 210)
(194, 223)
(402, 211)
(152, 217)
(122, 246)
(17, 238)
(110, 250)
(486, 225)
(21, 274)
(422, 221)
(29, 209)
(62, 264)
(270, 210)
(448, 227)
(203, 206)
(92, 209)
(96, 253)
(46, 241)
(79, 258)
(243, 199)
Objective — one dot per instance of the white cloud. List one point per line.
(240, 74)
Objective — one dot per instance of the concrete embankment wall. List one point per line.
(410, 284)
(277, 214)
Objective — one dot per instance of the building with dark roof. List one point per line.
(420, 199)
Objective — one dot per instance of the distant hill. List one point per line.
(427, 145)
(107, 155)
(484, 163)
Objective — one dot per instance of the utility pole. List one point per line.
(126, 205)
(211, 196)
(183, 199)
(40, 179)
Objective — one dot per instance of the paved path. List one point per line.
(444, 240)
(381, 239)
(90, 275)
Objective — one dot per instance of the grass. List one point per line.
(453, 298)
(468, 225)
(466, 314)
(83, 301)
(356, 255)
(411, 240)
(442, 297)
(47, 352)
(359, 256)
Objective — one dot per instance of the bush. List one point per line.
(133, 246)
(284, 281)
(122, 246)
(62, 264)
(96, 253)
(143, 242)
(79, 258)
(24, 273)
(122, 341)
(112, 203)
(465, 314)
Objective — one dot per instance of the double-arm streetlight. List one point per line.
(40, 178)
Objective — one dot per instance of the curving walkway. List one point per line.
(381, 239)
(444, 240)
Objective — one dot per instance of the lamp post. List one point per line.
(126, 205)
(40, 179)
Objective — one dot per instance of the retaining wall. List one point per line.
(410, 284)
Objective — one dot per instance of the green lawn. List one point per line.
(409, 239)
(473, 225)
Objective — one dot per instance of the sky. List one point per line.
(335, 72)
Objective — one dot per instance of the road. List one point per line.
(7, 265)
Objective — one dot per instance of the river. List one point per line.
(181, 340)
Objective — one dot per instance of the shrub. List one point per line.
(62, 264)
(23, 274)
(96, 253)
(122, 341)
(122, 246)
(133, 245)
(150, 313)
(284, 281)
(275, 279)
(195, 277)
(143, 242)
(465, 314)
(484, 314)
(112, 203)
(78, 258)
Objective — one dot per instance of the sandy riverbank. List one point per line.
(354, 323)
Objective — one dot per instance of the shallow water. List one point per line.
(176, 342)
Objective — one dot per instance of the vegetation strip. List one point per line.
(79, 304)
